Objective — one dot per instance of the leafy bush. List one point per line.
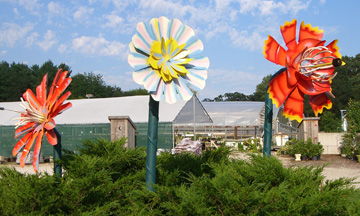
(108, 179)
(251, 145)
(305, 148)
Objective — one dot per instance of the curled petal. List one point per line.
(194, 46)
(41, 91)
(164, 27)
(175, 28)
(334, 49)
(158, 94)
(58, 80)
(201, 63)
(26, 150)
(145, 32)
(58, 103)
(59, 90)
(288, 31)
(154, 27)
(37, 151)
(307, 31)
(274, 52)
(170, 93)
(50, 125)
(61, 108)
(185, 35)
(138, 61)
(24, 129)
(278, 89)
(20, 144)
(31, 99)
(183, 91)
(141, 44)
(196, 82)
(319, 102)
(51, 137)
(151, 81)
(294, 105)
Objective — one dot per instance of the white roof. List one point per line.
(97, 110)
(236, 113)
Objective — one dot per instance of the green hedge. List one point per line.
(107, 179)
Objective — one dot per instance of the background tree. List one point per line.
(260, 91)
(329, 123)
(16, 78)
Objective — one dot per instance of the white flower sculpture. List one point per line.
(168, 59)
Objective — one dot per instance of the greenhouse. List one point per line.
(88, 119)
(237, 120)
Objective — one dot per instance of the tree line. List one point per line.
(16, 78)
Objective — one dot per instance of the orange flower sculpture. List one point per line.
(309, 69)
(38, 117)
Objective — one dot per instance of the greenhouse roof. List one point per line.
(236, 113)
(97, 110)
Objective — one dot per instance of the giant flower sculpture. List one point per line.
(309, 69)
(168, 59)
(38, 117)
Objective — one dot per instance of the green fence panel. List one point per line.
(72, 135)
(165, 136)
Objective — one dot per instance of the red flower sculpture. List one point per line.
(310, 68)
(38, 117)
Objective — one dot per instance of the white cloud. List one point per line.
(244, 40)
(113, 21)
(248, 5)
(166, 7)
(269, 7)
(48, 41)
(294, 6)
(10, 33)
(54, 9)
(16, 12)
(62, 48)
(31, 5)
(83, 14)
(99, 46)
(3, 52)
(30, 40)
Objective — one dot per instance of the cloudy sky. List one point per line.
(93, 35)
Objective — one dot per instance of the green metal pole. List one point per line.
(268, 125)
(152, 144)
(57, 154)
(268, 119)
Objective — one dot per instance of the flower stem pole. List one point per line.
(268, 119)
(152, 144)
(268, 126)
(57, 154)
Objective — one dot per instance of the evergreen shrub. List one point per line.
(107, 179)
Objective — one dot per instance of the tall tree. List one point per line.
(260, 91)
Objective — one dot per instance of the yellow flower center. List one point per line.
(168, 58)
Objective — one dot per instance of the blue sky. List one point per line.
(93, 36)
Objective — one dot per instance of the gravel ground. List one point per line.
(335, 166)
